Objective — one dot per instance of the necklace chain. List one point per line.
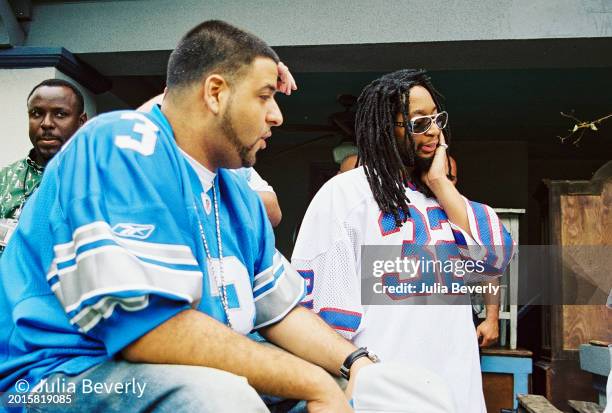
(220, 280)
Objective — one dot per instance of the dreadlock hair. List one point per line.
(385, 169)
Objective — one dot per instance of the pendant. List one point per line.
(207, 203)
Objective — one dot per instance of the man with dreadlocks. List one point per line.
(401, 196)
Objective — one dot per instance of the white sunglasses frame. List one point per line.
(433, 118)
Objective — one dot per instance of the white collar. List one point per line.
(205, 175)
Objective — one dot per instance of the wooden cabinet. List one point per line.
(576, 213)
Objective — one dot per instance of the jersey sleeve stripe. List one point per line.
(308, 304)
(52, 272)
(496, 233)
(276, 262)
(89, 317)
(271, 275)
(269, 284)
(100, 230)
(481, 231)
(111, 266)
(490, 243)
(341, 319)
(275, 302)
(495, 225)
(128, 298)
(268, 287)
(105, 245)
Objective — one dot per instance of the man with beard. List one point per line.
(55, 112)
(256, 182)
(401, 196)
(141, 263)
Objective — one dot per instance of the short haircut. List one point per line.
(214, 46)
(62, 83)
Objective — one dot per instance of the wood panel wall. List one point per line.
(586, 220)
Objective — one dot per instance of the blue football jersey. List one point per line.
(110, 247)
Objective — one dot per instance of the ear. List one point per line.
(82, 119)
(215, 90)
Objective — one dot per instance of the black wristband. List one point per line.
(345, 369)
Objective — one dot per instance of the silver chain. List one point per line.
(221, 279)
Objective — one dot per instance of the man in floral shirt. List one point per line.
(55, 112)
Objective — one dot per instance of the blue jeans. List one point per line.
(120, 386)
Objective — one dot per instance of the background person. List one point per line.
(348, 163)
(56, 111)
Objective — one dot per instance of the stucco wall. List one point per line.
(120, 25)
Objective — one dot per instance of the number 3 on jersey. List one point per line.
(147, 131)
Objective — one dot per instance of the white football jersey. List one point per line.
(343, 217)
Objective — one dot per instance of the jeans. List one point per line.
(120, 386)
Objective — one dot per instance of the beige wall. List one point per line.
(15, 86)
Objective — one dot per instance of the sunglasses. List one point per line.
(421, 124)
